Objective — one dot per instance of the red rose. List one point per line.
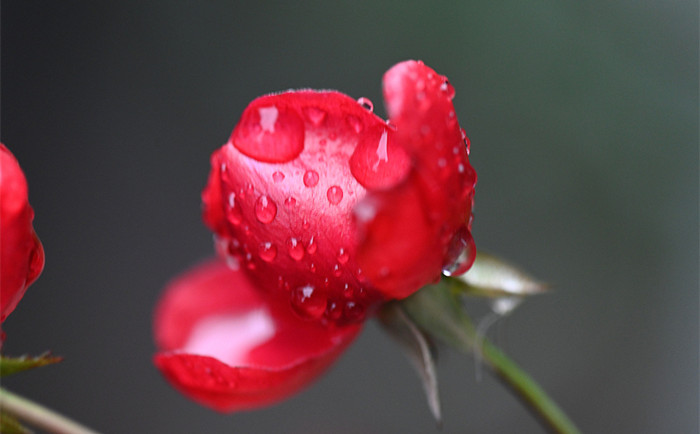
(325, 203)
(226, 346)
(22, 256)
(319, 204)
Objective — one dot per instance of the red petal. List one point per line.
(224, 345)
(411, 232)
(288, 220)
(22, 255)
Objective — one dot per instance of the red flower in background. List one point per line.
(21, 253)
(322, 211)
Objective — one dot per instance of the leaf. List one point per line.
(10, 425)
(495, 278)
(12, 365)
(418, 349)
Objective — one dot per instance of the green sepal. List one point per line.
(12, 365)
(418, 348)
(493, 277)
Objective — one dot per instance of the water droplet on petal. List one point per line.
(335, 195)
(310, 178)
(312, 267)
(269, 133)
(290, 202)
(355, 124)
(347, 291)
(378, 162)
(366, 104)
(312, 246)
(334, 310)
(353, 311)
(267, 252)
(265, 209)
(278, 176)
(460, 254)
(315, 115)
(343, 256)
(295, 249)
(309, 302)
(337, 271)
(448, 89)
(233, 212)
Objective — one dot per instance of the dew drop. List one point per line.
(337, 271)
(343, 256)
(265, 209)
(305, 224)
(309, 302)
(315, 115)
(366, 104)
(310, 178)
(233, 212)
(448, 89)
(355, 124)
(295, 249)
(312, 267)
(460, 253)
(278, 176)
(334, 195)
(290, 202)
(347, 291)
(269, 133)
(312, 246)
(267, 252)
(334, 310)
(353, 311)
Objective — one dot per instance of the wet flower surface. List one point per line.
(322, 200)
(321, 211)
(22, 257)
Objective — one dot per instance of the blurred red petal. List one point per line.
(225, 345)
(21, 252)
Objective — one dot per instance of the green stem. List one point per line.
(38, 415)
(438, 311)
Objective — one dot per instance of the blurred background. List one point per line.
(583, 118)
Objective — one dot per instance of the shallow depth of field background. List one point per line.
(583, 118)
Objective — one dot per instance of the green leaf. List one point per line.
(417, 348)
(12, 365)
(10, 425)
(495, 278)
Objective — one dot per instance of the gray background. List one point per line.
(583, 118)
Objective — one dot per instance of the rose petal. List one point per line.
(227, 346)
(413, 228)
(22, 255)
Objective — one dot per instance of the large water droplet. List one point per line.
(265, 209)
(315, 115)
(343, 256)
(366, 104)
(310, 178)
(267, 252)
(378, 162)
(334, 195)
(460, 253)
(233, 212)
(309, 302)
(295, 249)
(269, 133)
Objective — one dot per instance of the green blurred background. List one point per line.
(583, 118)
